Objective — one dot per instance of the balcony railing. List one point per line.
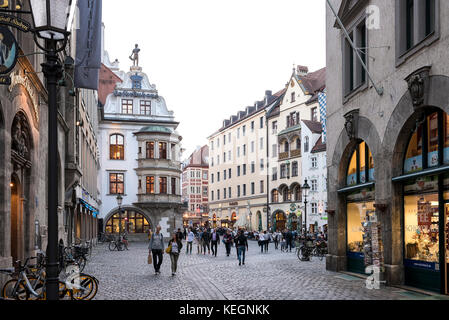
(158, 198)
(295, 153)
(283, 155)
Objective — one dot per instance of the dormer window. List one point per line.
(293, 97)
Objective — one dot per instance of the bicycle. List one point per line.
(304, 252)
(116, 245)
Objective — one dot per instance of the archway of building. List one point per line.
(20, 187)
(132, 220)
(284, 190)
(279, 220)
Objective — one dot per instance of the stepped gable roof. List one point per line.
(319, 146)
(314, 83)
(314, 126)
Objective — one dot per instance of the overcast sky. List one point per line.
(210, 59)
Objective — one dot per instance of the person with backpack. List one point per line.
(241, 243)
(156, 247)
(206, 241)
(190, 238)
(174, 249)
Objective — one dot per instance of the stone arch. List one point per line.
(140, 211)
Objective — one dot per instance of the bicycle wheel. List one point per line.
(88, 290)
(120, 246)
(81, 262)
(62, 290)
(112, 246)
(14, 290)
(38, 287)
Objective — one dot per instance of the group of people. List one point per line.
(208, 240)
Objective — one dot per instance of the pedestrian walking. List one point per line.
(261, 242)
(179, 234)
(190, 238)
(206, 241)
(155, 247)
(267, 236)
(174, 249)
(215, 241)
(276, 240)
(241, 244)
(199, 241)
(227, 239)
(289, 239)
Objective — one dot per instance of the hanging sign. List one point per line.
(8, 51)
(13, 21)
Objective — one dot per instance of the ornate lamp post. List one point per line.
(306, 189)
(50, 19)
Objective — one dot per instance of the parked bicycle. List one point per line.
(320, 250)
(119, 244)
(104, 237)
(304, 252)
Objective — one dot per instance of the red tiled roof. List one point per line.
(107, 83)
(319, 146)
(314, 126)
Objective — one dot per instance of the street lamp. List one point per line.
(50, 19)
(306, 189)
(119, 204)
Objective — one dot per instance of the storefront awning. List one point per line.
(427, 172)
(356, 187)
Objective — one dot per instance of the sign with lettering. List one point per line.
(15, 22)
(134, 94)
(8, 50)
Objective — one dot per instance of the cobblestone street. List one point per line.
(272, 276)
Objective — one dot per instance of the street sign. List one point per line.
(8, 50)
(15, 22)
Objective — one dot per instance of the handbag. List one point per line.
(150, 258)
(168, 250)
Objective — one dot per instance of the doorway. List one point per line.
(16, 220)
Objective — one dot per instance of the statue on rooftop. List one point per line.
(134, 57)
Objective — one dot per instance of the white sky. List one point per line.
(210, 59)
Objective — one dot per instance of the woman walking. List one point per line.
(174, 249)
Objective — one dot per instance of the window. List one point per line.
(150, 185)
(275, 196)
(354, 73)
(252, 126)
(229, 192)
(238, 191)
(218, 176)
(229, 156)
(314, 185)
(205, 191)
(145, 107)
(218, 160)
(127, 106)
(295, 169)
(298, 144)
(244, 169)
(261, 143)
(261, 122)
(244, 150)
(253, 167)
(314, 114)
(205, 175)
(262, 183)
(162, 150)
(212, 178)
(314, 162)
(224, 140)
(356, 217)
(286, 146)
(150, 150)
(238, 152)
(230, 172)
(298, 194)
(238, 171)
(212, 195)
(173, 186)
(283, 171)
(229, 137)
(274, 150)
(224, 157)
(212, 162)
(314, 207)
(274, 127)
(218, 143)
(224, 174)
(244, 130)
(252, 146)
(224, 193)
(244, 190)
(129, 221)
(306, 144)
(253, 188)
(416, 22)
(212, 145)
(293, 97)
(163, 185)
(261, 165)
(116, 183)
(361, 166)
(116, 147)
(218, 194)
(274, 174)
(238, 133)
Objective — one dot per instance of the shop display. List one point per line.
(372, 238)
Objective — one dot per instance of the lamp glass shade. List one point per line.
(119, 200)
(50, 18)
(306, 189)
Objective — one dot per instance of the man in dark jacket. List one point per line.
(206, 241)
(215, 241)
(179, 234)
(241, 243)
(227, 238)
(289, 239)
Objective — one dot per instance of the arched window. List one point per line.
(294, 169)
(298, 144)
(116, 147)
(286, 146)
(424, 150)
(129, 221)
(298, 194)
(306, 144)
(361, 166)
(275, 196)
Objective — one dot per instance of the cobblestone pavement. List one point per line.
(274, 275)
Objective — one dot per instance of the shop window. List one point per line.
(361, 166)
(356, 216)
(129, 221)
(421, 227)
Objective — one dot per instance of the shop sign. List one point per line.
(233, 204)
(134, 94)
(13, 21)
(422, 264)
(8, 51)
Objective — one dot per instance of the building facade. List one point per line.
(238, 169)
(140, 153)
(195, 188)
(293, 131)
(387, 140)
